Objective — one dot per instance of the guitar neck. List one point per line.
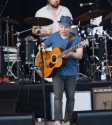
(68, 50)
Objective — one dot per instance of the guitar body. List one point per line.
(51, 62)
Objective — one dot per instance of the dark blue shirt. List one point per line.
(55, 40)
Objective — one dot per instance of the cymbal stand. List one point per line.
(1, 9)
(18, 56)
(34, 68)
(106, 54)
(8, 68)
(93, 52)
(93, 55)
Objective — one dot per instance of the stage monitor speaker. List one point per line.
(102, 98)
(80, 103)
(9, 106)
(17, 119)
(96, 117)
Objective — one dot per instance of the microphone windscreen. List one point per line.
(81, 5)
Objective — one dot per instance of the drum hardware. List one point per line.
(33, 68)
(28, 53)
(93, 55)
(107, 19)
(106, 54)
(87, 65)
(74, 29)
(97, 45)
(18, 50)
(7, 28)
(12, 29)
(80, 75)
(85, 17)
(9, 70)
(8, 20)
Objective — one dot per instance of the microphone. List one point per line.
(85, 4)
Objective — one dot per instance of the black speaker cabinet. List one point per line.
(96, 117)
(102, 98)
(9, 106)
(17, 119)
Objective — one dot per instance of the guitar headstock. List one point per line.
(84, 43)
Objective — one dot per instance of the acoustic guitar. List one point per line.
(53, 60)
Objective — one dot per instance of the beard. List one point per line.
(54, 5)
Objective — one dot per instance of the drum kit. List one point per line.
(23, 66)
(25, 49)
(95, 66)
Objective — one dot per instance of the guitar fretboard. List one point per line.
(68, 50)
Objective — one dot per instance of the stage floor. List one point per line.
(48, 123)
(31, 98)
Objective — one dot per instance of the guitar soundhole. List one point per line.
(53, 58)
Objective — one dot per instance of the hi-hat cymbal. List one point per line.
(90, 15)
(9, 20)
(89, 26)
(37, 21)
(107, 19)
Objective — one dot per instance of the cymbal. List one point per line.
(89, 26)
(90, 15)
(107, 19)
(37, 21)
(5, 19)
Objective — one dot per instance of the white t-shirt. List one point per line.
(46, 13)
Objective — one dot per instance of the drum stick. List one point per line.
(79, 23)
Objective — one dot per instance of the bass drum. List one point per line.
(46, 79)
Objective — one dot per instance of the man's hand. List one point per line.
(49, 31)
(42, 46)
(68, 55)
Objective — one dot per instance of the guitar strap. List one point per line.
(72, 36)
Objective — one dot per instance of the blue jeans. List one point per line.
(61, 84)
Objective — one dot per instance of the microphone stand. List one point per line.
(1, 34)
(93, 52)
(42, 79)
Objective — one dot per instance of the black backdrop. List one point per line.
(21, 9)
